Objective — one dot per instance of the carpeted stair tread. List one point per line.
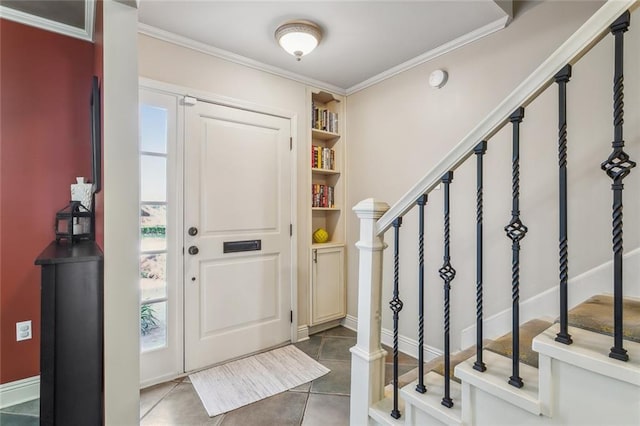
(437, 365)
(529, 330)
(596, 314)
(501, 346)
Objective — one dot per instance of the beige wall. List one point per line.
(400, 128)
(166, 62)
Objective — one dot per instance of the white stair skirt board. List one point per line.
(427, 407)
(406, 345)
(547, 303)
(238, 383)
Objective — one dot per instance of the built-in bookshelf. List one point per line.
(326, 161)
(327, 293)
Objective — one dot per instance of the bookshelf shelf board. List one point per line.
(325, 171)
(325, 209)
(323, 135)
(328, 244)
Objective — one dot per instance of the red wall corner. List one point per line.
(45, 82)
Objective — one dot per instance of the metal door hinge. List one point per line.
(291, 229)
(291, 316)
(290, 143)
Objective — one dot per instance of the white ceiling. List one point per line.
(362, 40)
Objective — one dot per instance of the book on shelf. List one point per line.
(323, 119)
(322, 196)
(322, 158)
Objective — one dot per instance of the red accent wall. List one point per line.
(45, 86)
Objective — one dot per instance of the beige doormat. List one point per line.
(238, 383)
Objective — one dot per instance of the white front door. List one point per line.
(236, 233)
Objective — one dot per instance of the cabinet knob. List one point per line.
(193, 250)
(193, 231)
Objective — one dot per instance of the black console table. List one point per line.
(71, 343)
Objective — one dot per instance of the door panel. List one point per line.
(222, 282)
(246, 157)
(237, 188)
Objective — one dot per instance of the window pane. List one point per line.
(153, 129)
(153, 326)
(153, 277)
(153, 227)
(153, 178)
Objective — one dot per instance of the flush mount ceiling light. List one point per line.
(298, 38)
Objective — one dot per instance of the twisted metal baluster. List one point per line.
(515, 231)
(396, 307)
(420, 387)
(447, 273)
(617, 167)
(562, 78)
(479, 150)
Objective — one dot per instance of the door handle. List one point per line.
(193, 231)
(193, 250)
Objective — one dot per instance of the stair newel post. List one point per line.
(617, 167)
(367, 356)
(562, 78)
(479, 150)
(396, 306)
(422, 201)
(516, 231)
(447, 273)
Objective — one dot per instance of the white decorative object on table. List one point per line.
(82, 191)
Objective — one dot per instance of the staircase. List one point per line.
(591, 321)
(584, 367)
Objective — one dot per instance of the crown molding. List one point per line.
(85, 33)
(179, 40)
(251, 63)
(477, 34)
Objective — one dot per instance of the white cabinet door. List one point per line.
(328, 296)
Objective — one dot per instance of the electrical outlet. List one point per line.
(23, 330)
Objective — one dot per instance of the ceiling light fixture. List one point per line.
(298, 37)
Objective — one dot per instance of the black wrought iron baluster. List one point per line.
(396, 307)
(422, 201)
(562, 78)
(447, 273)
(515, 231)
(479, 150)
(617, 167)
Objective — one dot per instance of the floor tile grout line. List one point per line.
(306, 403)
(175, 384)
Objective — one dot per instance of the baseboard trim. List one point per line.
(303, 333)
(406, 345)
(20, 391)
(546, 304)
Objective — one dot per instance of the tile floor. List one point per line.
(324, 401)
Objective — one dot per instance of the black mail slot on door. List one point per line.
(237, 246)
